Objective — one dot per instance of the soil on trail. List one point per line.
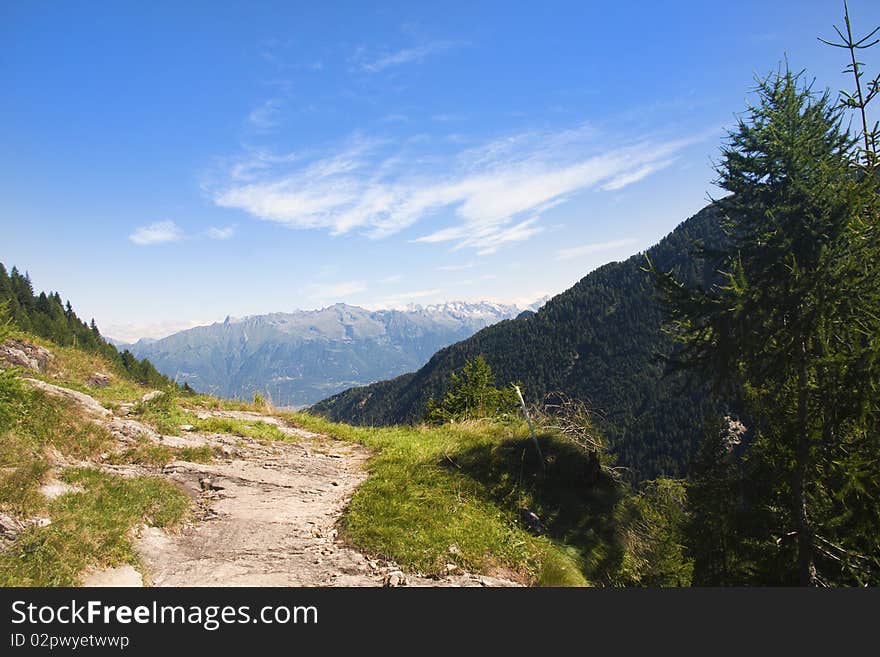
(265, 512)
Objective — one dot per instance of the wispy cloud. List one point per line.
(265, 115)
(495, 194)
(629, 177)
(468, 265)
(160, 232)
(403, 299)
(216, 233)
(163, 232)
(133, 332)
(376, 64)
(596, 247)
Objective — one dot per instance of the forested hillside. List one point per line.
(597, 341)
(46, 316)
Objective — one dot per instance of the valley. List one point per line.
(296, 359)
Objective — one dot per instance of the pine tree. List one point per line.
(472, 395)
(794, 326)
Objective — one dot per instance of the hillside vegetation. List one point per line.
(438, 499)
(45, 315)
(600, 341)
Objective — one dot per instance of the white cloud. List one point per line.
(496, 193)
(158, 233)
(596, 247)
(468, 265)
(265, 116)
(403, 299)
(630, 177)
(404, 56)
(131, 333)
(216, 233)
(163, 232)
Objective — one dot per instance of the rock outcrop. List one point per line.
(21, 353)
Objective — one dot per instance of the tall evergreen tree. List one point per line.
(794, 326)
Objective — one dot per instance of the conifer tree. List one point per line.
(794, 326)
(472, 394)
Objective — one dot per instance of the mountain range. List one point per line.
(602, 341)
(298, 358)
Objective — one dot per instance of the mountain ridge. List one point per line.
(300, 357)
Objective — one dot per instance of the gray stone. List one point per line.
(20, 353)
(207, 483)
(394, 578)
(99, 380)
(532, 521)
(9, 526)
(152, 395)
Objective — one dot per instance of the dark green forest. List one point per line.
(45, 315)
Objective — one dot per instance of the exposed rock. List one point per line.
(206, 483)
(99, 380)
(87, 403)
(9, 527)
(187, 427)
(532, 521)
(394, 578)
(485, 580)
(20, 353)
(56, 488)
(152, 395)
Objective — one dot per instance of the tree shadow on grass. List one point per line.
(577, 505)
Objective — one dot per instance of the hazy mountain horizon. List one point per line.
(300, 357)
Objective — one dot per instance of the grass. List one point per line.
(90, 529)
(452, 494)
(32, 425)
(149, 453)
(166, 415)
(237, 427)
(72, 368)
(435, 495)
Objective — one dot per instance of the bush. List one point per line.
(472, 395)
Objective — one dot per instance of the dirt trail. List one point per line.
(265, 514)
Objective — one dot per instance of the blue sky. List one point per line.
(167, 164)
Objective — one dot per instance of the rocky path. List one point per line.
(265, 513)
